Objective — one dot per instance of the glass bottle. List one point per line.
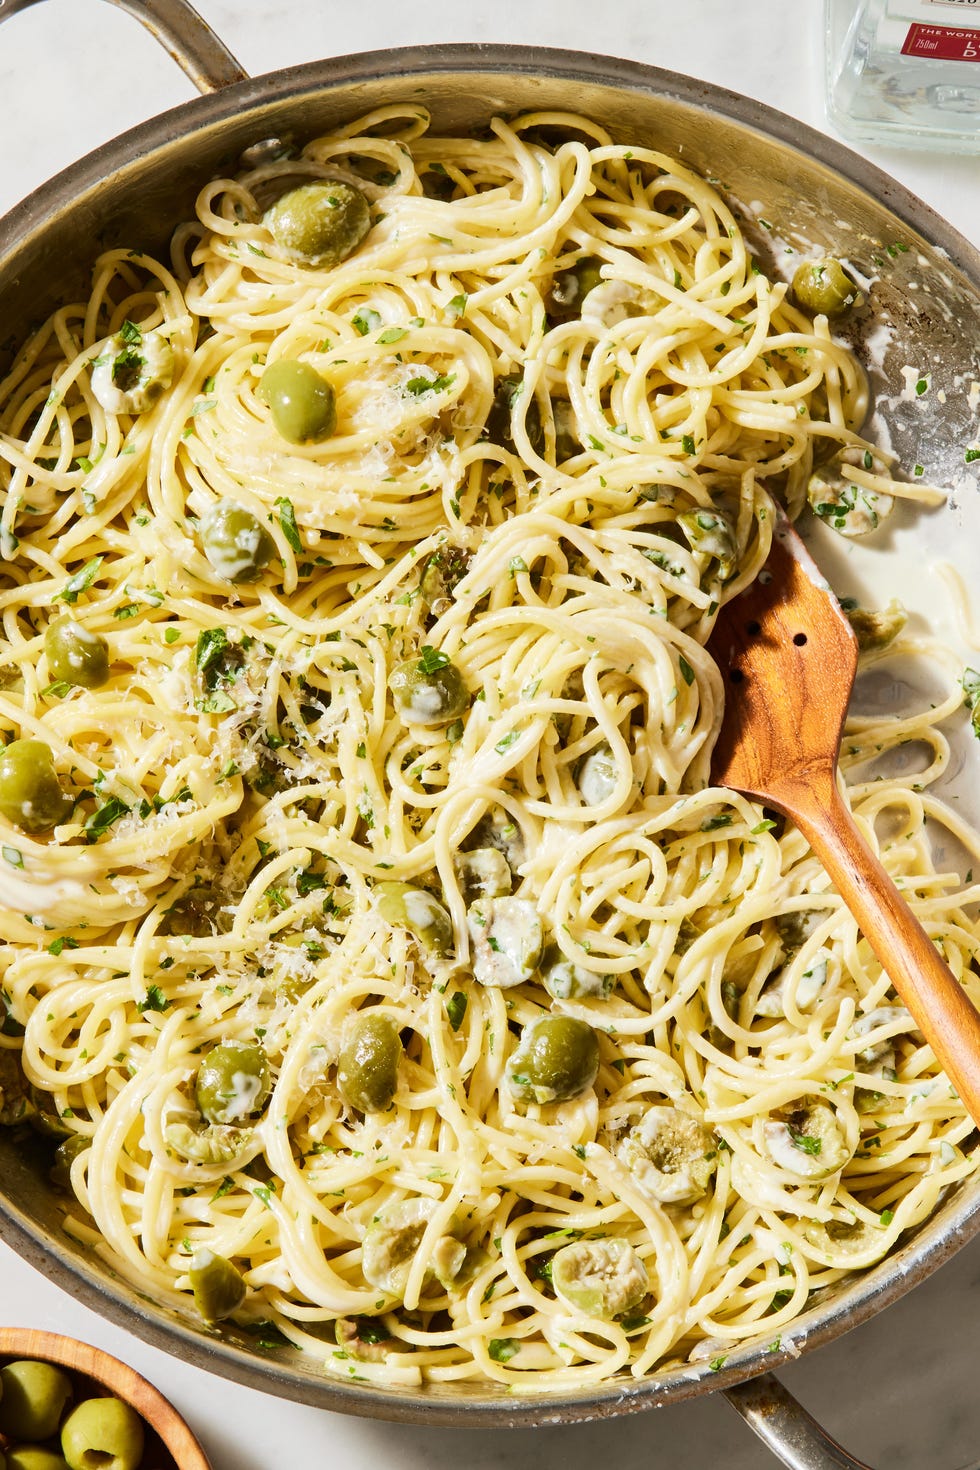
(905, 71)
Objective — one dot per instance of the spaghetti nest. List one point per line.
(392, 973)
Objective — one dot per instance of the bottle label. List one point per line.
(942, 43)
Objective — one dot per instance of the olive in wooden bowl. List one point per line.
(67, 1406)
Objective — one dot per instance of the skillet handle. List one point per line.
(793, 1435)
(178, 27)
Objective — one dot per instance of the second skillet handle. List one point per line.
(185, 34)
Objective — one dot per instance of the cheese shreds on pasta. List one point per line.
(544, 1060)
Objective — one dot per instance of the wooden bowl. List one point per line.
(170, 1445)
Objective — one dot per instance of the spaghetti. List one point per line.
(434, 773)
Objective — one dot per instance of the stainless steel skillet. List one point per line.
(926, 296)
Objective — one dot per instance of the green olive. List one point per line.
(218, 1286)
(483, 872)
(235, 543)
(564, 980)
(9, 1024)
(76, 655)
(102, 1434)
(601, 1278)
(441, 573)
(233, 1082)
(303, 404)
(557, 1059)
(64, 1156)
(408, 906)
(30, 794)
(499, 425)
(824, 286)
(570, 288)
(367, 1071)
(320, 223)
(597, 775)
(567, 441)
(33, 1396)
(33, 1457)
(429, 690)
(199, 912)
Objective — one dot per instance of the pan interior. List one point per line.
(924, 286)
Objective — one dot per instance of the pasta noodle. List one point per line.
(468, 660)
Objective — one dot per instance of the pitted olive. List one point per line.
(367, 1071)
(30, 793)
(320, 223)
(233, 1082)
(302, 402)
(75, 654)
(235, 542)
(408, 906)
(429, 690)
(557, 1059)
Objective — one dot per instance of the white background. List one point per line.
(900, 1391)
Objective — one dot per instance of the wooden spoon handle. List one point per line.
(944, 1012)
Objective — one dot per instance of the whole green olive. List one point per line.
(429, 690)
(75, 654)
(557, 1059)
(319, 223)
(303, 404)
(32, 1457)
(102, 1434)
(235, 542)
(33, 1396)
(233, 1082)
(824, 286)
(409, 906)
(30, 793)
(367, 1070)
(218, 1286)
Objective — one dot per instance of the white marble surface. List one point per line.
(900, 1391)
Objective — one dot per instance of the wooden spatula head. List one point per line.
(788, 656)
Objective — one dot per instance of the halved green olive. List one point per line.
(824, 286)
(218, 1286)
(233, 1082)
(507, 938)
(499, 425)
(367, 1071)
(235, 542)
(564, 980)
(483, 872)
(65, 1155)
(570, 287)
(601, 1278)
(75, 654)
(199, 912)
(441, 573)
(427, 691)
(30, 793)
(302, 403)
(557, 1059)
(409, 906)
(597, 775)
(320, 223)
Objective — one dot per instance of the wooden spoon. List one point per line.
(788, 656)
